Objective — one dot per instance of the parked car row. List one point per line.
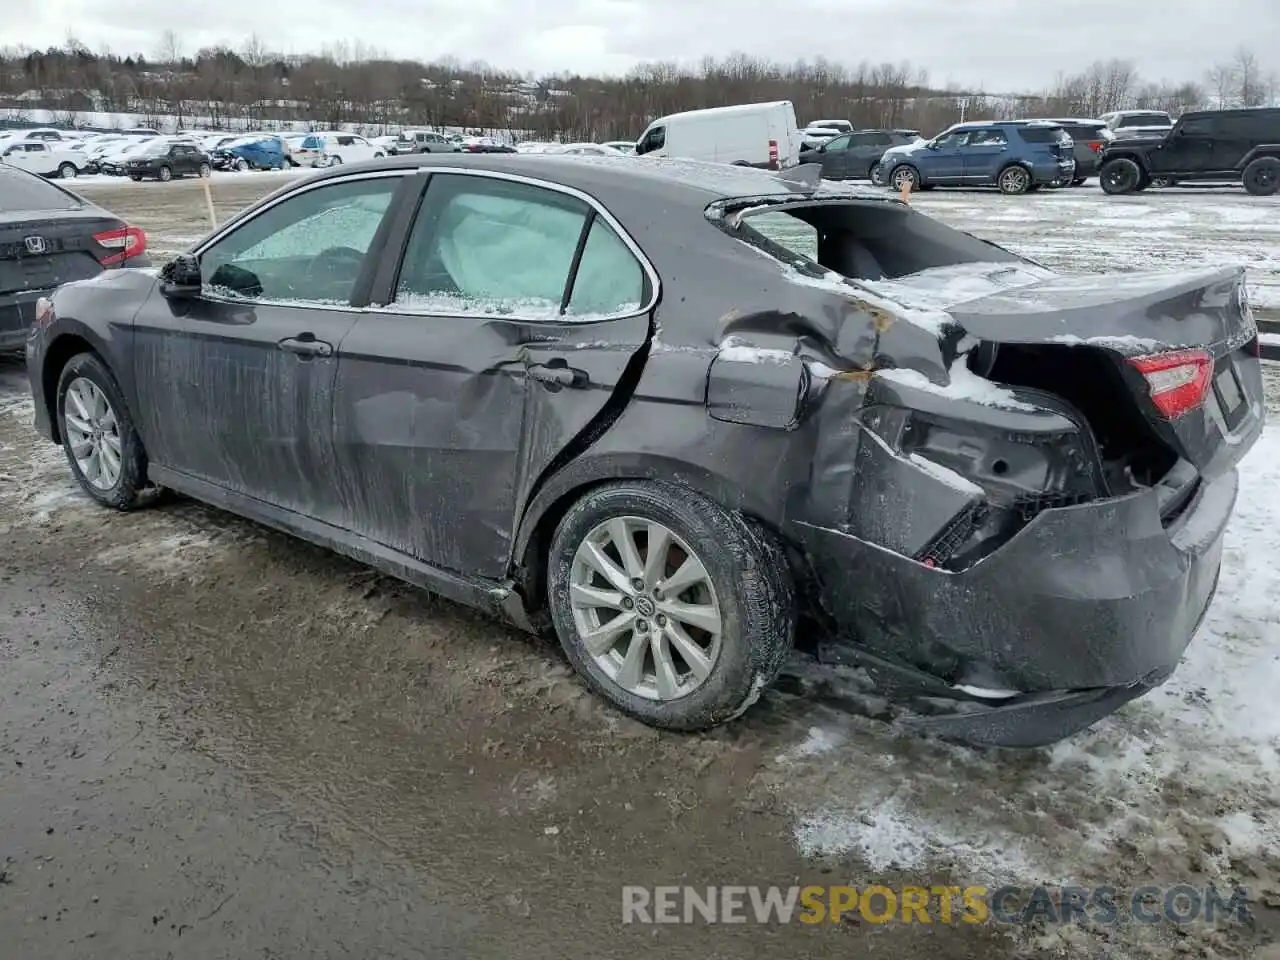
(1128, 150)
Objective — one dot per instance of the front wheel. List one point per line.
(677, 611)
(1013, 180)
(98, 435)
(904, 175)
(1262, 176)
(68, 171)
(166, 174)
(1120, 175)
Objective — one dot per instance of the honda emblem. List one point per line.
(36, 245)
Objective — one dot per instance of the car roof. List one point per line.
(1234, 112)
(611, 180)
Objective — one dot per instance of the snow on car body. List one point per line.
(1001, 491)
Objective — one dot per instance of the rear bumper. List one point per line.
(1084, 609)
(1063, 171)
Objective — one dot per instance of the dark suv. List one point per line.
(164, 161)
(1014, 155)
(856, 155)
(1235, 146)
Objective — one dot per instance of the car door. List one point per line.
(865, 152)
(455, 397)
(943, 161)
(235, 386)
(1188, 149)
(32, 156)
(183, 159)
(834, 155)
(985, 152)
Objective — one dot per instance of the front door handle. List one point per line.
(557, 373)
(306, 345)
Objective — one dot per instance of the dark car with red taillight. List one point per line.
(1090, 138)
(50, 236)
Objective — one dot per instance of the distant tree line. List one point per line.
(251, 86)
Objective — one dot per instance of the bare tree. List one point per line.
(1250, 86)
(1222, 83)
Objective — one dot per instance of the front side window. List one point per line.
(310, 247)
(654, 139)
(839, 143)
(957, 138)
(1197, 127)
(986, 138)
(496, 248)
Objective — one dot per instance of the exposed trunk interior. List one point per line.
(1091, 381)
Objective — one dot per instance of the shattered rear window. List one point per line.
(870, 240)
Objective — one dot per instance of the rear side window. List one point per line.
(609, 278)
(495, 248)
(21, 191)
(312, 143)
(1044, 134)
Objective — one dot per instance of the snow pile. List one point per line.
(963, 384)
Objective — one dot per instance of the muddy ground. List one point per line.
(218, 742)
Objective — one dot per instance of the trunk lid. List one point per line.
(42, 250)
(1195, 324)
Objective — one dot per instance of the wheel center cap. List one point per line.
(645, 607)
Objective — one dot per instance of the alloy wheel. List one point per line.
(1013, 180)
(646, 608)
(93, 431)
(903, 176)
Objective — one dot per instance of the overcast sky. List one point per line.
(998, 45)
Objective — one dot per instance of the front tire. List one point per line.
(1262, 177)
(98, 435)
(166, 174)
(674, 609)
(1120, 176)
(1013, 181)
(900, 176)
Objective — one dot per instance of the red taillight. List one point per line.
(773, 154)
(1179, 380)
(127, 242)
(1096, 146)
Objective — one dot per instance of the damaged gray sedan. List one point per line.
(601, 398)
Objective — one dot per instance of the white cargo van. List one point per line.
(752, 134)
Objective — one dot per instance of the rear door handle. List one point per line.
(557, 373)
(306, 345)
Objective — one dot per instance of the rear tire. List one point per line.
(242, 164)
(205, 171)
(873, 174)
(1120, 176)
(1013, 180)
(734, 577)
(99, 422)
(68, 171)
(1262, 177)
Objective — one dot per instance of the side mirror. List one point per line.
(180, 277)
